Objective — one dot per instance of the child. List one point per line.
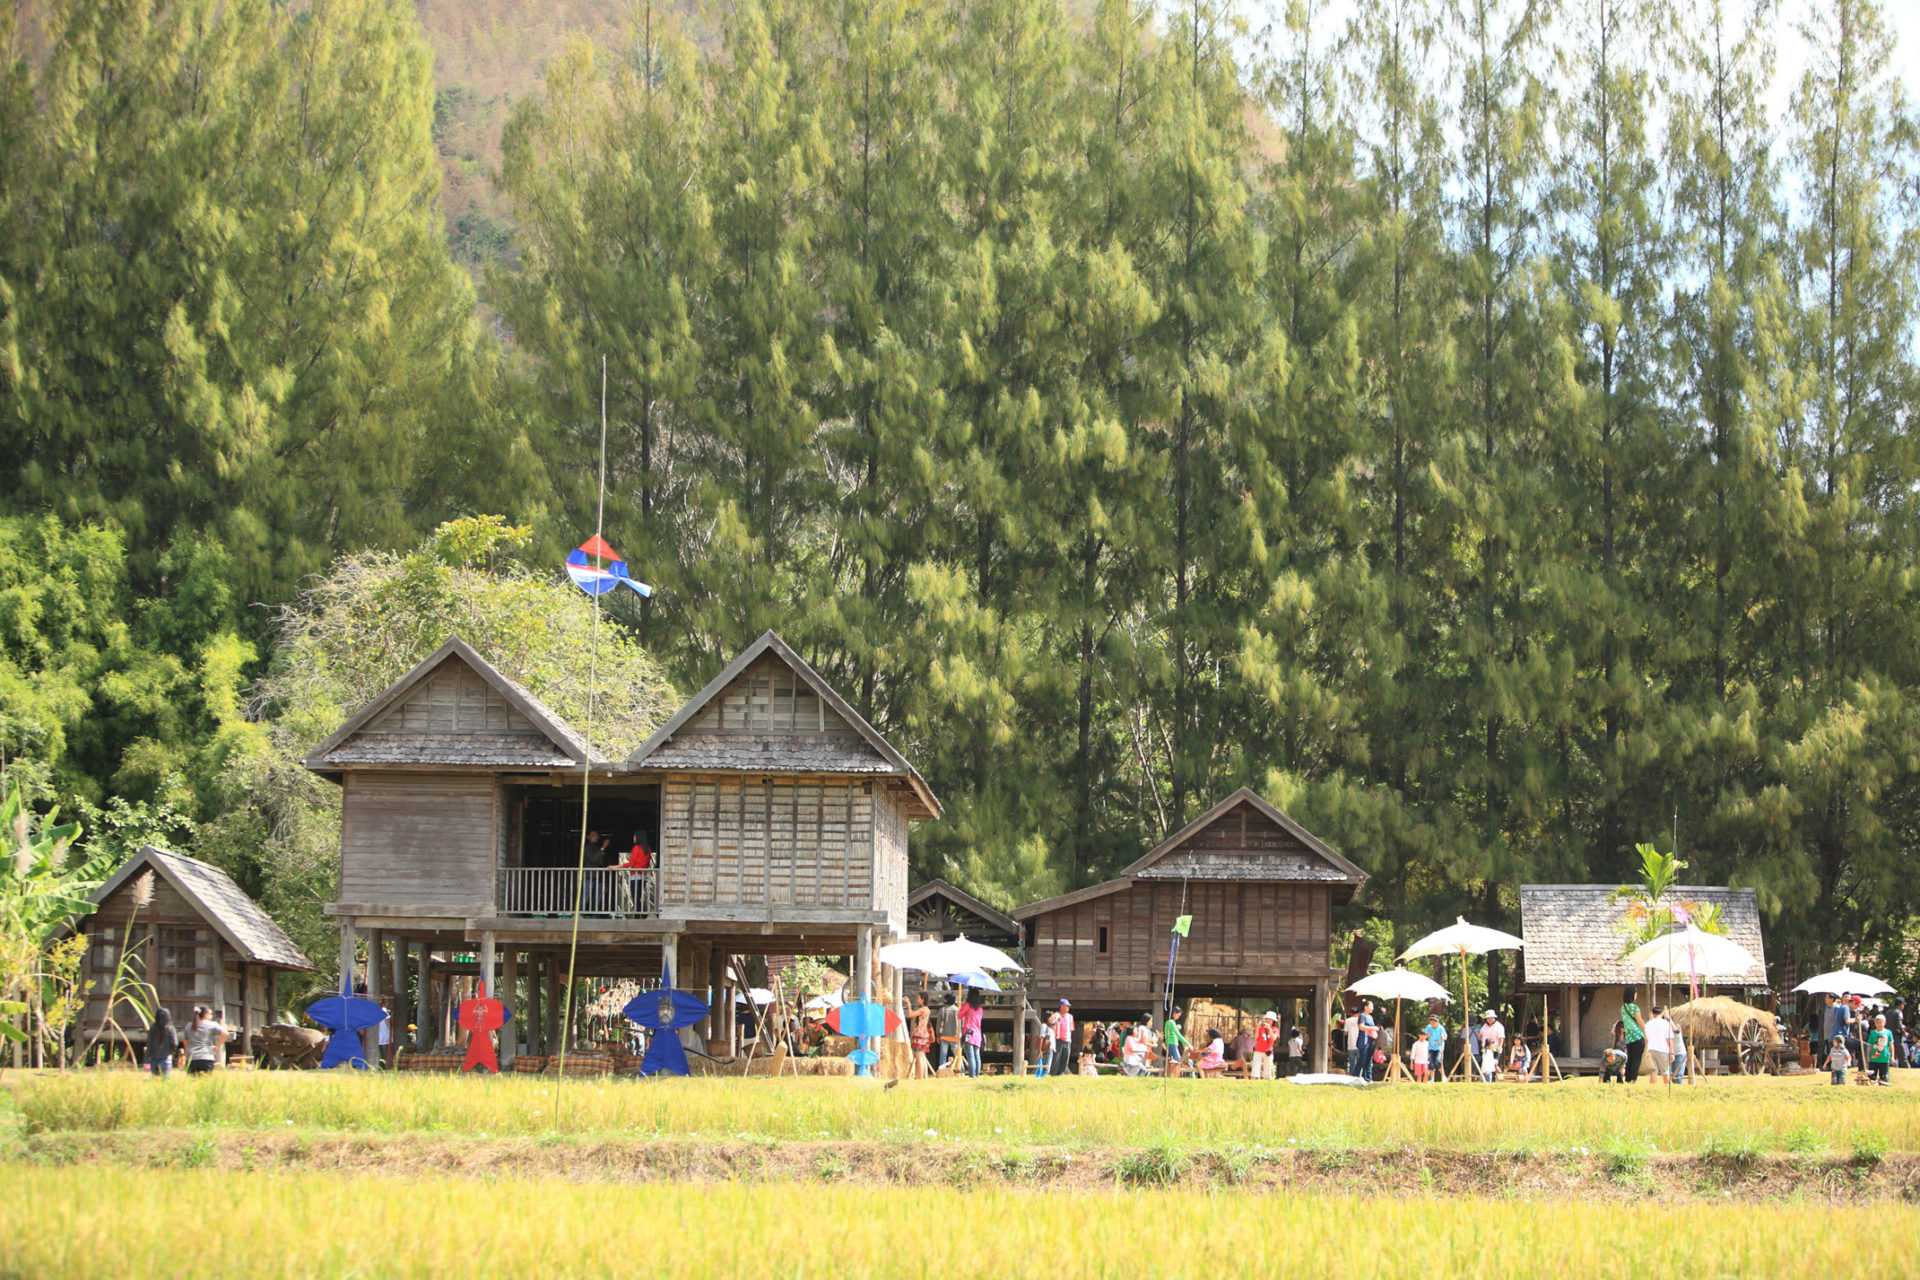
(1522, 1060)
(1296, 1051)
(1880, 1050)
(1436, 1037)
(1418, 1057)
(1838, 1059)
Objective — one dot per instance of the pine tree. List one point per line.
(605, 173)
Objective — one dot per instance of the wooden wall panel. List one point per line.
(417, 839)
(733, 841)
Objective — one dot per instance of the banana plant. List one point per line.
(41, 893)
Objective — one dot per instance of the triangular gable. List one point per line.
(1245, 838)
(939, 907)
(770, 712)
(452, 708)
(219, 901)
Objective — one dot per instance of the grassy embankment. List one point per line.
(89, 1222)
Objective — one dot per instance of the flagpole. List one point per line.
(586, 762)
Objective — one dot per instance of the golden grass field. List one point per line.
(77, 1223)
(304, 1174)
(1798, 1113)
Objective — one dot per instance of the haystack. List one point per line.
(1721, 1018)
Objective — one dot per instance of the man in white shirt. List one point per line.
(1659, 1030)
(1352, 1026)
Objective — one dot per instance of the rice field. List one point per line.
(343, 1174)
(1768, 1114)
(81, 1223)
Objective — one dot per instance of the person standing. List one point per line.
(205, 1039)
(920, 1035)
(1838, 1059)
(1659, 1051)
(1173, 1040)
(1049, 1040)
(1296, 1052)
(1493, 1036)
(1063, 1032)
(1897, 1024)
(1634, 1034)
(1369, 1038)
(1350, 1026)
(1417, 1059)
(949, 1042)
(1838, 1022)
(1266, 1037)
(972, 1014)
(1880, 1051)
(1436, 1037)
(163, 1042)
(1680, 1062)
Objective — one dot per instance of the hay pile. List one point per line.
(1721, 1018)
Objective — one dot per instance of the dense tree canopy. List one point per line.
(1486, 428)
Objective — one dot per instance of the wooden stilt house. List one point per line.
(1261, 890)
(776, 817)
(184, 928)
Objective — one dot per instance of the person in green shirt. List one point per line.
(1880, 1050)
(1174, 1042)
(1636, 1036)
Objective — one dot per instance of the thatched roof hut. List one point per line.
(1721, 1018)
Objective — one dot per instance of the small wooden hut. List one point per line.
(199, 940)
(1261, 890)
(1575, 936)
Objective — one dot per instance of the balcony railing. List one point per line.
(605, 892)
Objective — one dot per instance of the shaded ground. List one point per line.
(1734, 1176)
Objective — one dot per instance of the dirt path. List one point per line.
(1560, 1176)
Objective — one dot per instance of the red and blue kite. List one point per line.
(597, 568)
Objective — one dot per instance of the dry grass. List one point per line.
(94, 1222)
(1770, 1114)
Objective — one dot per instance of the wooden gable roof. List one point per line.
(769, 711)
(220, 902)
(938, 907)
(1574, 936)
(1243, 837)
(453, 708)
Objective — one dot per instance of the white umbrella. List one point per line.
(829, 1001)
(1463, 939)
(1844, 982)
(960, 955)
(1693, 952)
(1399, 984)
(760, 995)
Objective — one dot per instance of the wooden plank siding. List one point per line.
(419, 839)
(729, 840)
(173, 948)
(1257, 935)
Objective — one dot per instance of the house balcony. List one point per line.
(606, 893)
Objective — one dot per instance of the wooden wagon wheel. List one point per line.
(1751, 1044)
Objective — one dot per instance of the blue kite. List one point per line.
(664, 1013)
(596, 568)
(346, 1017)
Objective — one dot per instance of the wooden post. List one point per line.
(1020, 1034)
(349, 946)
(401, 948)
(487, 958)
(510, 992)
(1570, 1015)
(246, 1010)
(273, 995)
(423, 999)
(1322, 994)
(555, 977)
(863, 964)
(536, 1002)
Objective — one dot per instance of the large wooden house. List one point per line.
(1261, 890)
(187, 933)
(776, 816)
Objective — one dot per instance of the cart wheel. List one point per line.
(1752, 1048)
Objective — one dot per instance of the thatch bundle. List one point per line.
(1721, 1018)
